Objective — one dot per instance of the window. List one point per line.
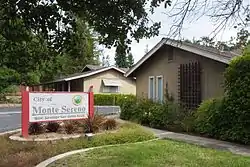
(111, 89)
(171, 54)
(151, 87)
(111, 86)
(159, 89)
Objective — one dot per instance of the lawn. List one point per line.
(28, 154)
(158, 153)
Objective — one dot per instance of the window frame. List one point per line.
(149, 88)
(108, 88)
(157, 91)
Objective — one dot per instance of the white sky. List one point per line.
(197, 29)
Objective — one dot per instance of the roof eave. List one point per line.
(176, 44)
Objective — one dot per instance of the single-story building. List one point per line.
(189, 72)
(103, 79)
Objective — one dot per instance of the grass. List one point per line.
(160, 153)
(28, 154)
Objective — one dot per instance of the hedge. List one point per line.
(208, 117)
(158, 115)
(228, 118)
(111, 99)
(236, 124)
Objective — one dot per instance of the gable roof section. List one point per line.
(90, 67)
(87, 74)
(207, 52)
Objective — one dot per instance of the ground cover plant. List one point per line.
(28, 154)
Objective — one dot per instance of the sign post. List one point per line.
(25, 113)
(55, 106)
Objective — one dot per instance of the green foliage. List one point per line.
(29, 154)
(11, 89)
(236, 114)
(111, 99)
(123, 58)
(159, 115)
(209, 117)
(130, 60)
(8, 77)
(55, 20)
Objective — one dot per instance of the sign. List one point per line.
(55, 106)
(58, 106)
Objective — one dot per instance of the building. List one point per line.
(189, 73)
(103, 79)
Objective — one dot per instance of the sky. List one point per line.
(197, 29)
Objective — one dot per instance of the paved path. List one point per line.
(202, 141)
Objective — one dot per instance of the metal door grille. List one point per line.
(189, 83)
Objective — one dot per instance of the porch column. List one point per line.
(68, 86)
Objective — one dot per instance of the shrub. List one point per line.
(8, 77)
(36, 128)
(70, 127)
(109, 124)
(209, 116)
(52, 126)
(237, 100)
(104, 100)
(166, 116)
(159, 115)
(92, 125)
(110, 99)
(128, 108)
(11, 89)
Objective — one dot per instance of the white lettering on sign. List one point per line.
(58, 106)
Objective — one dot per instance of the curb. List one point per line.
(10, 105)
(60, 156)
(10, 132)
(18, 138)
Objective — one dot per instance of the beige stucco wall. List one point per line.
(158, 64)
(127, 84)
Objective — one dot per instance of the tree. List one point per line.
(130, 60)
(121, 56)
(113, 20)
(80, 50)
(223, 13)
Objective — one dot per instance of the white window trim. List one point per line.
(151, 77)
(160, 76)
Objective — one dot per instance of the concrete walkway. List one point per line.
(202, 141)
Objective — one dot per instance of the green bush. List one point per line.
(128, 108)
(8, 77)
(208, 117)
(11, 89)
(236, 118)
(111, 99)
(158, 115)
